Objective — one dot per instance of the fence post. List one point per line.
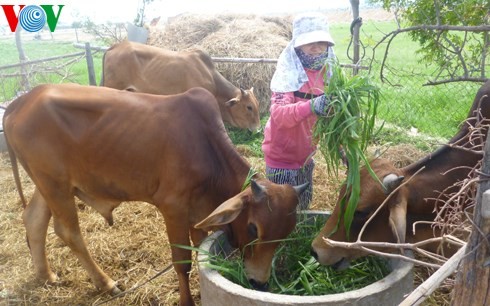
(90, 65)
(355, 27)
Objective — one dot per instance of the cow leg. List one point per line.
(36, 218)
(66, 226)
(178, 233)
(183, 269)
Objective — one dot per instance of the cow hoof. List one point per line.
(49, 278)
(115, 291)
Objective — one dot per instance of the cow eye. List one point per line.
(249, 108)
(252, 231)
(359, 214)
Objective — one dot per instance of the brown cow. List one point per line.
(142, 68)
(106, 146)
(414, 201)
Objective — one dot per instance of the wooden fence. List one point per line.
(88, 49)
(25, 71)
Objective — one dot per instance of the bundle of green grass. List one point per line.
(344, 133)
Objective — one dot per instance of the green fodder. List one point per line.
(295, 272)
(345, 131)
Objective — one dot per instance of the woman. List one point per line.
(297, 99)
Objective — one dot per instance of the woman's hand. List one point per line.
(320, 105)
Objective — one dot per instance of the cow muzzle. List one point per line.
(259, 286)
(330, 257)
(341, 265)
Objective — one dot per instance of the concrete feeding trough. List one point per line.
(217, 290)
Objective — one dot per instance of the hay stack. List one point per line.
(234, 36)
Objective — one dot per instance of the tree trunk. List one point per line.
(473, 279)
(22, 58)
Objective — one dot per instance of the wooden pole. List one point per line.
(90, 65)
(355, 33)
(472, 285)
(424, 290)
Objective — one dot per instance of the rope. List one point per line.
(164, 271)
(354, 22)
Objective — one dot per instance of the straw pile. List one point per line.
(233, 36)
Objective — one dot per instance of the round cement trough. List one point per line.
(217, 290)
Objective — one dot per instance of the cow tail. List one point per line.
(15, 170)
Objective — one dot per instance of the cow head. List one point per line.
(243, 110)
(258, 218)
(389, 224)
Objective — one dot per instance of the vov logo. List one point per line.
(32, 18)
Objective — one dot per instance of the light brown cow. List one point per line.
(106, 146)
(414, 201)
(142, 68)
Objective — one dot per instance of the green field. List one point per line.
(57, 71)
(434, 111)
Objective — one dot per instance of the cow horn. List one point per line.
(301, 188)
(258, 191)
(243, 92)
(391, 182)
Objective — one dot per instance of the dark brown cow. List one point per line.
(106, 146)
(414, 201)
(142, 68)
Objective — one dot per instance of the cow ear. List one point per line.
(224, 214)
(391, 182)
(232, 102)
(251, 89)
(398, 220)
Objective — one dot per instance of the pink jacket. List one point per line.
(288, 133)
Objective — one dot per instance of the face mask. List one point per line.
(314, 62)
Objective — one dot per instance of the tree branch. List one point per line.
(388, 39)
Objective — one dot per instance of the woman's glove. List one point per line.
(319, 105)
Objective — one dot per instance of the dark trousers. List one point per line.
(295, 177)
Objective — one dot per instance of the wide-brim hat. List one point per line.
(309, 28)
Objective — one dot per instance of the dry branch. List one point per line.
(368, 246)
(457, 50)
